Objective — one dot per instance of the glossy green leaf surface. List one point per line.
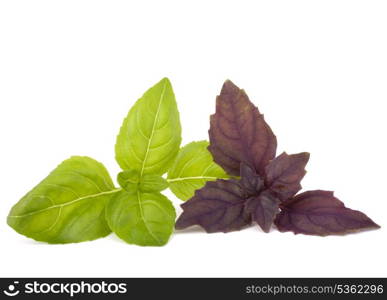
(150, 136)
(193, 167)
(68, 206)
(145, 219)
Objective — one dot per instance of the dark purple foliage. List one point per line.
(239, 133)
(263, 208)
(284, 174)
(219, 206)
(251, 182)
(320, 213)
(244, 145)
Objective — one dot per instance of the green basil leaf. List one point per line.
(129, 180)
(68, 205)
(193, 167)
(150, 135)
(145, 219)
(153, 183)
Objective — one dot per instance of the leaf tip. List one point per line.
(373, 225)
(228, 82)
(165, 80)
(180, 223)
(229, 87)
(305, 156)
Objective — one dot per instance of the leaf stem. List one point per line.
(194, 178)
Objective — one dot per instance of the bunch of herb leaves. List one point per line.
(264, 187)
(78, 201)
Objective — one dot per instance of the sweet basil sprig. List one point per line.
(229, 183)
(78, 201)
(265, 191)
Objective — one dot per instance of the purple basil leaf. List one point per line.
(320, 213)
(217, 207)
(284, 174)
(263, 209)
(250, 181)
(239, 133)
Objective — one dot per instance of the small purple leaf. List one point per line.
(250, 181)
(320, 213)
(285, 172)
(263, 209)
(217, 207)
(238, 132)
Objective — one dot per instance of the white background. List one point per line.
(70, 70)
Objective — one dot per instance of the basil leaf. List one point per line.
(284, 173)
(144, 219)
(193, 167)
(320, 213)
(130, 181)
(263, 209)
(217, 207)
(252, 184)
(239, 133)
(68, 205)
(153, 183)
(150, 136)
